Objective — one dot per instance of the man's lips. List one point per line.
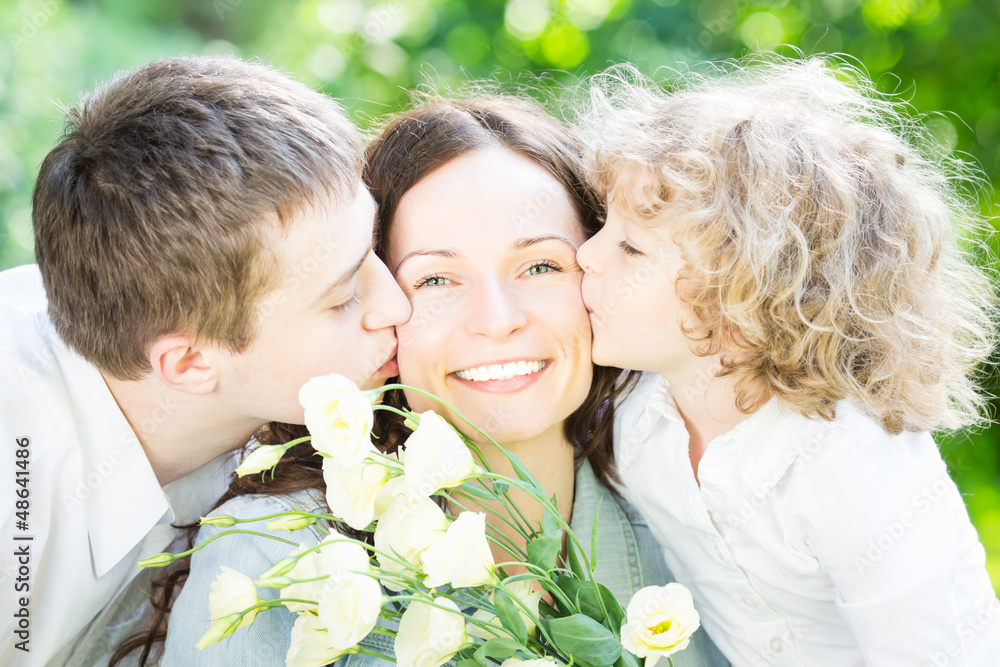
(391, 366)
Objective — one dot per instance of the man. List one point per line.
(205, 246)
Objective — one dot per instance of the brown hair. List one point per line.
(415, 143)
(149, 214)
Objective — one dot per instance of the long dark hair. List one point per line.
(412, 145)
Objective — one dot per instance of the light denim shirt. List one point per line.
(628, 558)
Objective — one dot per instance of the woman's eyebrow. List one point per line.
(434, 252)
(521, 244)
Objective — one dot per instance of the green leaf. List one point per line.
(626, 659)
(590, 604)
(498, 647)
(476, 490)
(545, 610)
(467, 657)
(586, 640)
(509, 616)
(576, 565)
(593, 536)
(550, 523)
(523, 473)
(543, 551)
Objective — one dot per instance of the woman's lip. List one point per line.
(510, 386)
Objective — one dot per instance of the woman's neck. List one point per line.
(550, 458)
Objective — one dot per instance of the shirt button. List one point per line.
(777, 646)
(749, 601)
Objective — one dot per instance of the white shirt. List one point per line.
(94, 506)
(812, 542)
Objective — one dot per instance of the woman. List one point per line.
(481, 207)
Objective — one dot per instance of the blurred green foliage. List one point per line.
(941, 55)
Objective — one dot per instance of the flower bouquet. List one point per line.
(426, 578)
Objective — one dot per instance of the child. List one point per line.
(784, 257)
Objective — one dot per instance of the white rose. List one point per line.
(435, 458)
(310, 647)
(359, 494)
(310, 566)
(462, 557)
(659, 621)
(232, 592)
(307, 567)
(407, 530)
(523, 590)
(429, 636)
(351, 599)
(263, 457)
(339, 418)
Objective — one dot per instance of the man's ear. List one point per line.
(179, 361)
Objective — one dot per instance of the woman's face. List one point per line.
(485, 249)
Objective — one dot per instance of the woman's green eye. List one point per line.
(542, 267)
(435, 281)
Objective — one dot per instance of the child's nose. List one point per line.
(586, 256)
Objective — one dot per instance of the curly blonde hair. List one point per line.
(822, 234)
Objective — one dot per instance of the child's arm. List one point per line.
(890, 528)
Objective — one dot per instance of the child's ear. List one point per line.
(182, 364)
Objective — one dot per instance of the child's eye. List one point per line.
(544, 266)
(628, 249)
(353, 301)
(430, 281)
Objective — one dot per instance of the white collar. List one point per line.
(760, 449)
(122, 498)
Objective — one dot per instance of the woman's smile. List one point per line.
(502, 376)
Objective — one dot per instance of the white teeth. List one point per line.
(507, 371)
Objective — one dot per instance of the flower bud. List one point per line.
(290, 522)
(264, 457)
(283, 566)
(159, 560)
(220, 520)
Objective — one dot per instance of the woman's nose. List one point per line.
(496, 311)
(387, 305)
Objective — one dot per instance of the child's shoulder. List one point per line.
(852, 461)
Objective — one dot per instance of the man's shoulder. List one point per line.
(22, 285)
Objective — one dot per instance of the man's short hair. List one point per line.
(151, 215)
